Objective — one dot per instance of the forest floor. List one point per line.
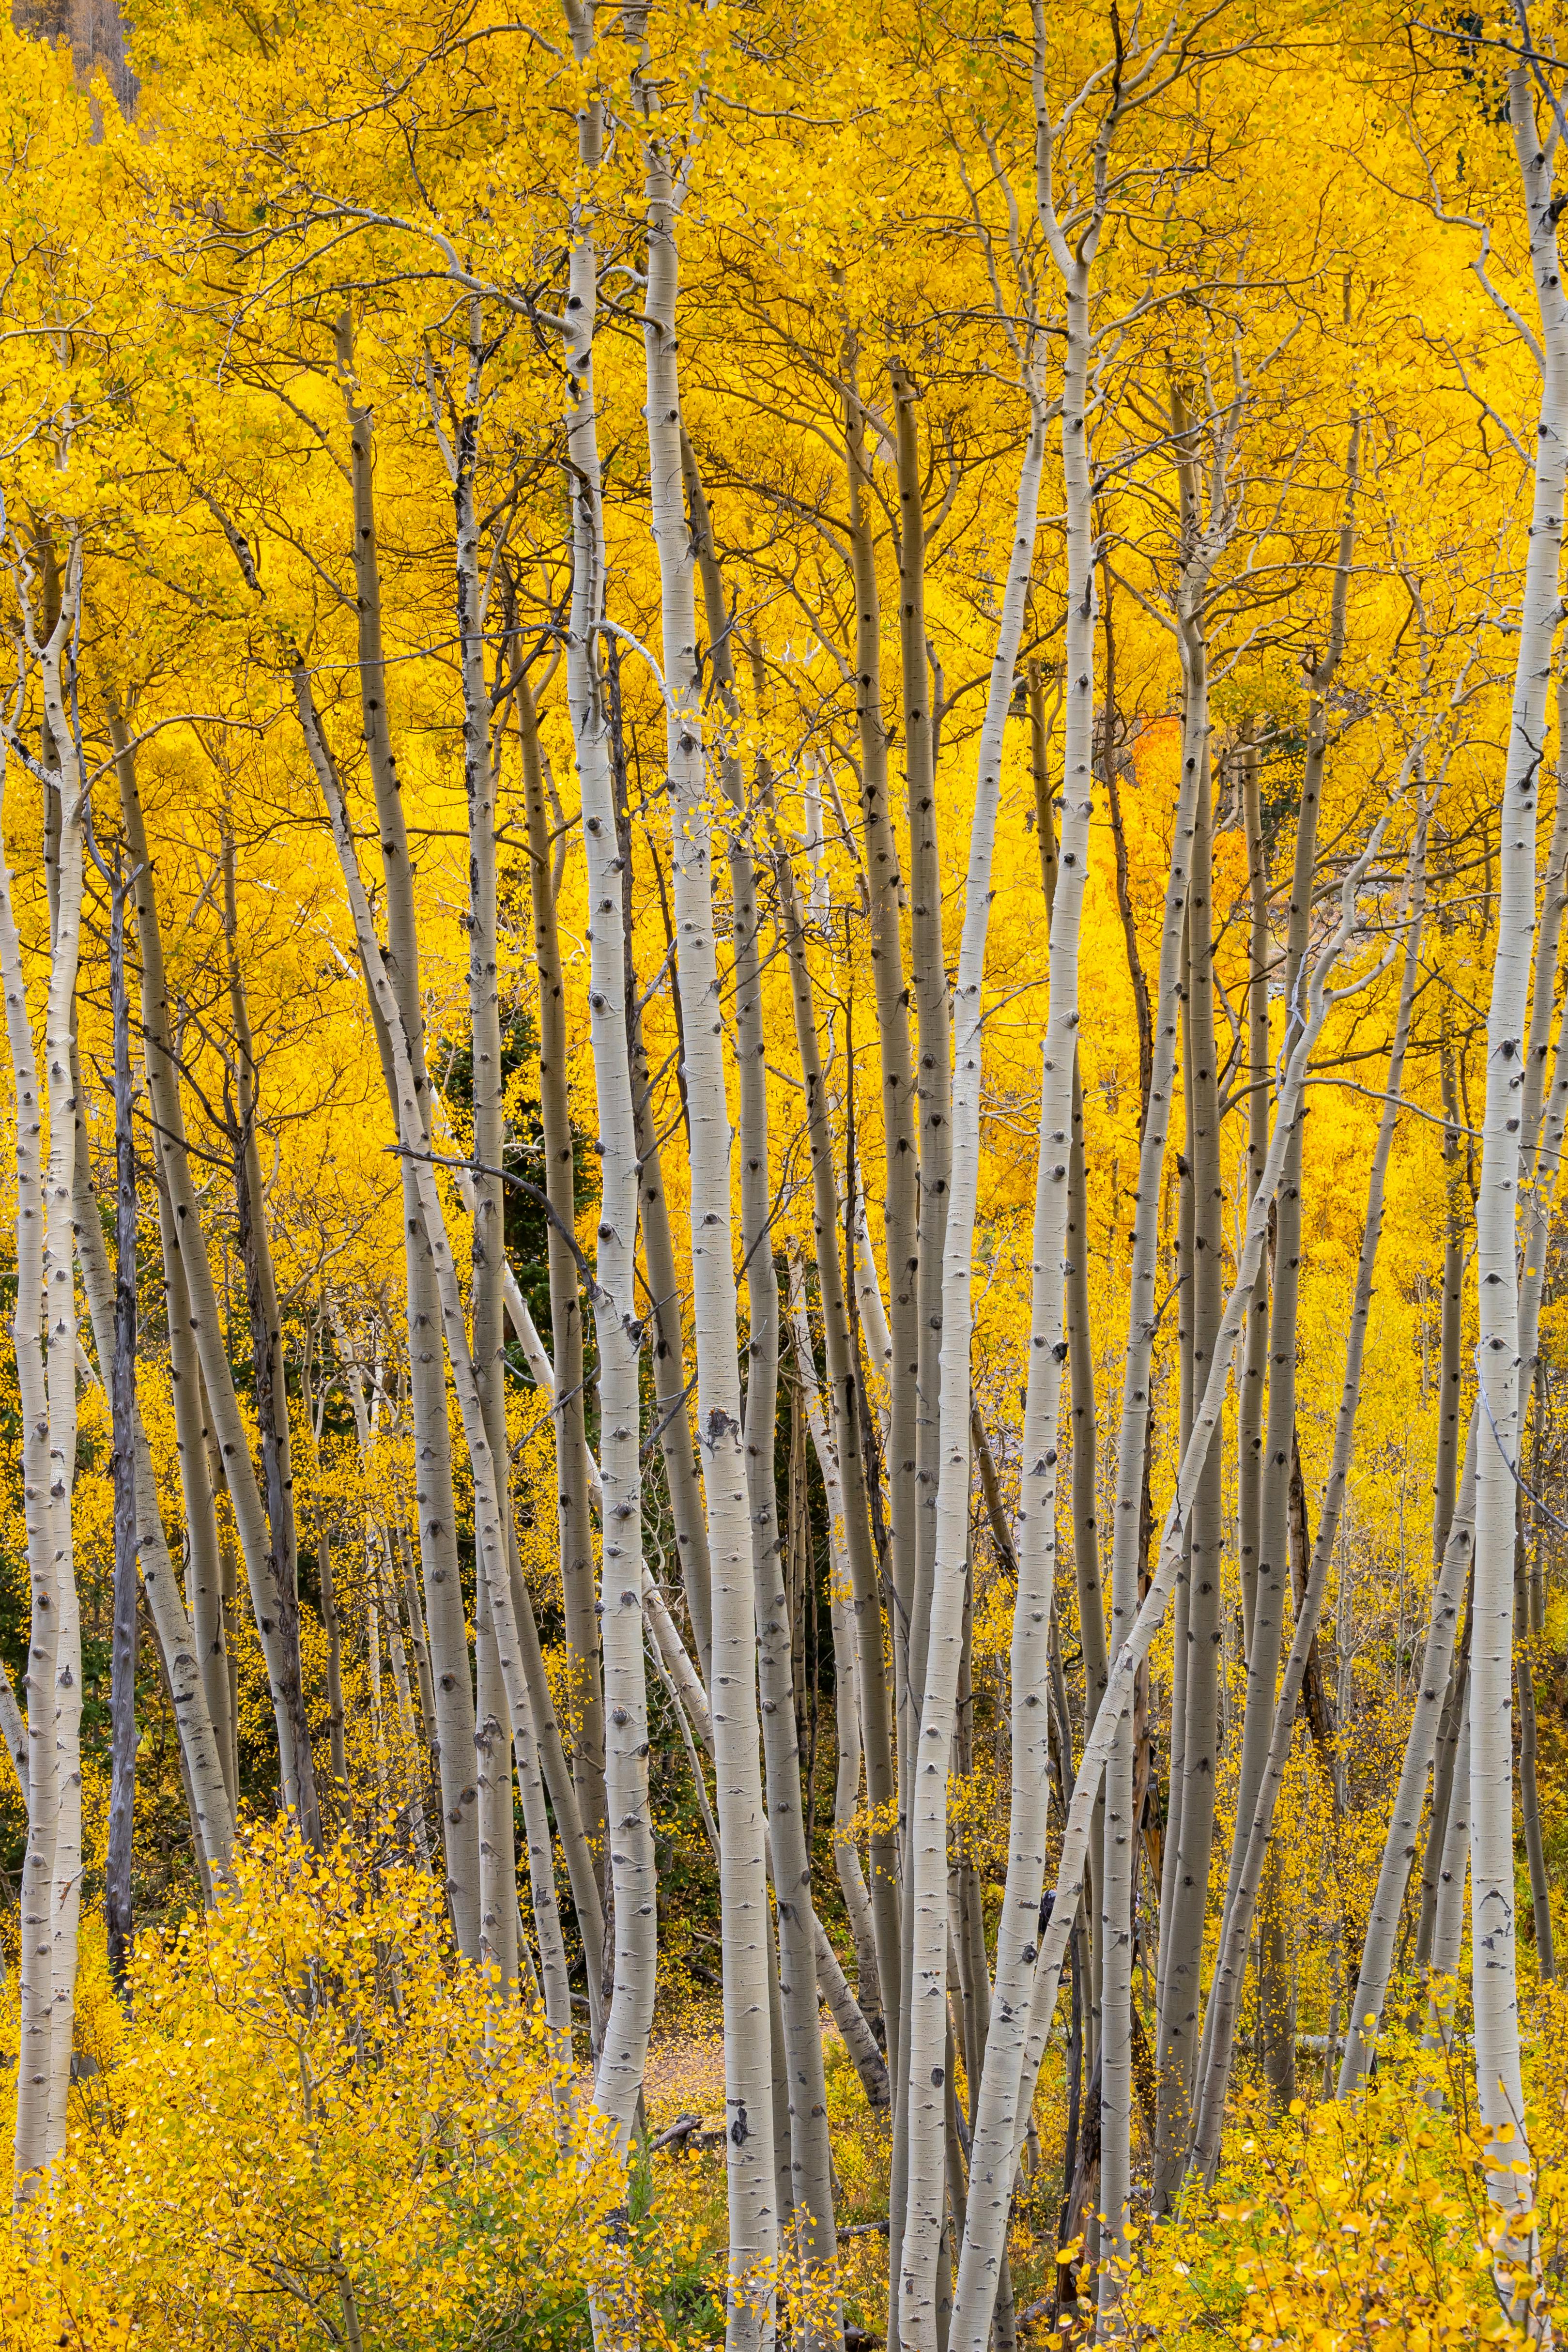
(685, 2183)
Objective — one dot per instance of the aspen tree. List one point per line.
(846, 1700)
(1448, 1926)
(117, 1899)
(732, 1687)
(928, 2062)
(1399, 1848)
(459, 394)
(1132, 1446)
(1251, 1391)
(46, 1346)
(378, 1578)
(41, 1761)
(844, 1386)
(491, 1511)
(203, 1745)
(573, 1467)
(928, 961)
(453, 1726)
(269, 1379)
(900, 1108)
(624, 2047)
(1204, 534)
(788, 1831)
(1498, 2084)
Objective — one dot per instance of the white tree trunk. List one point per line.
(41, 1765)
(732, 1687)
(1132, 1445)
(927, 1991)
(1499, 2083)
(624, 2048)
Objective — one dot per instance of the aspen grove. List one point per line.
(783, 1534)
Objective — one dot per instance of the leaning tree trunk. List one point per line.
(1253, 1835)
(1045, 1948)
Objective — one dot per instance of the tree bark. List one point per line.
(453, 1726)
(732, 1687)
(42, 1759)
(117, 1904)
(811, 2157)
(1498, 2080)
(575, 1534)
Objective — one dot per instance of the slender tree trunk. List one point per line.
(811, 2161)
(42, 1759)
(1126, 1544)
(928, 961)
(1448, 1914)
(1446, 1472)
(900, 1177)
(452, 1728)
(205, 1748)
(516, 1637)
(575, 1531)
(844, 1386)
(1400, 1847)
(1179, 2021)
(1498, 2082)
(1443, 1785)
(122, 1404)
(493, 1749)
(270, 1381)
(930, 1769)
(846, 1670)
(70, 788)
(1249, 1405)
(732, 1688)
(624, 2049)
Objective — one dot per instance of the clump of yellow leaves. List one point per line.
(319, 2128)
(1341, 2228)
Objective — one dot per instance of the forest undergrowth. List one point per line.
(312, 2125)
